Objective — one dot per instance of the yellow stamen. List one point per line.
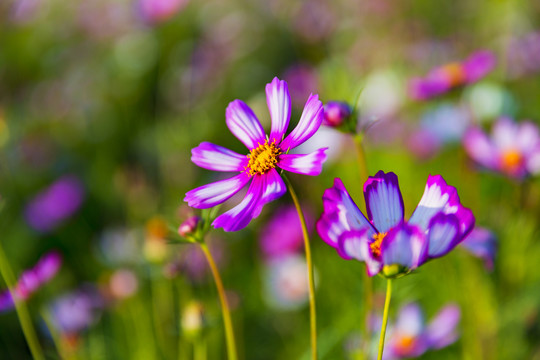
(376, 245)
(511, 160)
(455, 73)
(405, 344)
(263, 158)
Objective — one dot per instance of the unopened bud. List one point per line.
(335, 113)
(189, 226)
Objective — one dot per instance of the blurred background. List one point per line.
(101, 102)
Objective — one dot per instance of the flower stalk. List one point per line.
(311, 278)
(21, 310)
(385, 317)
(229, 331)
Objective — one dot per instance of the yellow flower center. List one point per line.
(511, 159)
(263, 158)
(405, 344)
(455, 73)
(376, 245)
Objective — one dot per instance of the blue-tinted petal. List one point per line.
(384, 202)
(405, 245)
(443, 234)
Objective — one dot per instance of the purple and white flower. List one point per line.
(513, 149)
(409, 337)
(266, 153)
(385, 240)
(449, 76)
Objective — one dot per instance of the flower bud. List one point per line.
(335, 113)
(189, 226)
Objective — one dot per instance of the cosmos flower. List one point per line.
(32, 279)
(449, 76)
(513, 149)
(52, 206)
(387, 241)
(409, 337)
(481, 243)
(266, 154)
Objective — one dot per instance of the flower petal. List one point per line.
(272, 186)
(340, 214)
(239, 216)
(244, 124)
(410, 320)
(214, 157)
(533, 162)
(384, 202)
(438, 196)
(350, 244)
(216, 193)
(527, 138)
(405, 245)
(309, 123)
(441, 331)
(279, 105)
(504, 133)
(443, 234)
(479, 148)
(307, 164)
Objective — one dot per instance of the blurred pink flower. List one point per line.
(156, 11)
(444, 78)
(512, 149)
(282, 235)
(32, 279)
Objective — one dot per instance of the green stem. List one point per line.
(362, 165)
(199, 349)
(229, 331)
(20, 308)
(311, 279)
(368, 305)
(385, 317)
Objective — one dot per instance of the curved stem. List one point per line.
(20, 308)
(385, 317)
(229, 331)
(311, 279)
(362, 165)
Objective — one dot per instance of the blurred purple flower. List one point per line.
(387, 241)
(76, 311)
(444, 124)
(335, 113)
(444, 78)
(52, 206)
(481, 243)
(32, 279)
(409, 337)
(266, 153)
(513, 149)
(302, 80)
(156, 11)
(282, 235)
